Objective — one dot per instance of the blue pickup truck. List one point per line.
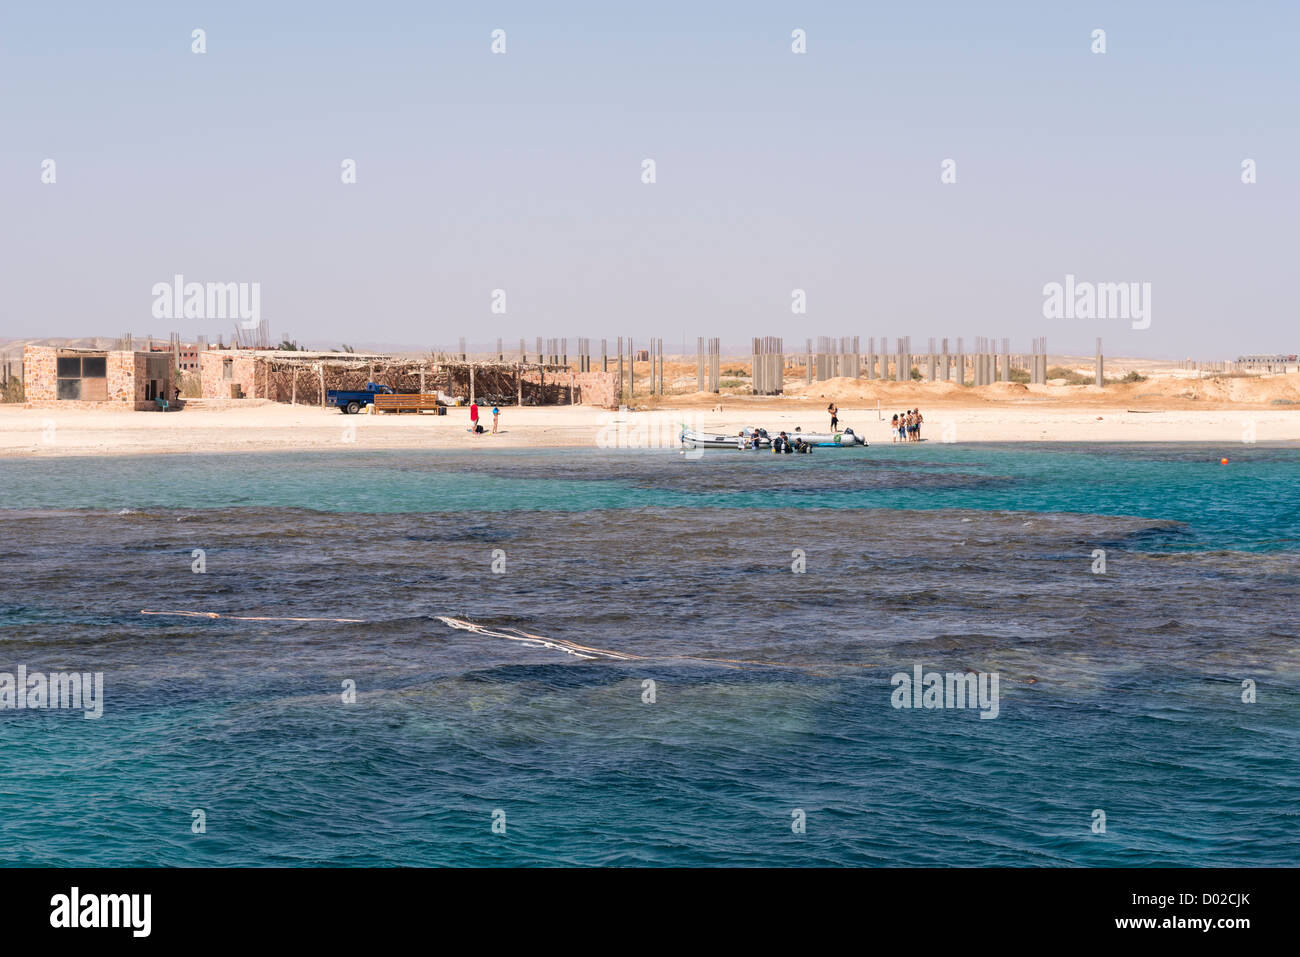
(351, 400)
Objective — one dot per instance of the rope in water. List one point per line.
(533, 641)
(583, 651)
(559, 644)
(213, 614)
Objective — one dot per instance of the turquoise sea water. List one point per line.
(1251, 503)
(1119, 691)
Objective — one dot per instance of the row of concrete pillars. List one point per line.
(986, 364)
(627, 384)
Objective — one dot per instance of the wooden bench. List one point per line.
(408, 402)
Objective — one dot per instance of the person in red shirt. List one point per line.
(473, 417)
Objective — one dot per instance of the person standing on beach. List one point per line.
(835, 416)
(917, 429)
(902, 426)
(473, 417)
(496, 416)
(893, 429)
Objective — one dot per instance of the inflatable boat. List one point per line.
(750, 439)
(828, 440)
(747, 439)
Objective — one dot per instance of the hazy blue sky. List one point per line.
(775, 171)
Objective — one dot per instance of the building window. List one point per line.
(83, 377)
(228, 369)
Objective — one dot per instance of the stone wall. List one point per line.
(127, 379)
(589, 388)
(597, 388)
(245, 373)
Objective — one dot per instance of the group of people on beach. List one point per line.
(475, 426)
(906, 426)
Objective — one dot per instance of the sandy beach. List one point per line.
(1228, 410)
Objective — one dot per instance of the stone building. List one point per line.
(57, 377)
(230, 374)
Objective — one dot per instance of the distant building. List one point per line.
(96, 378)
(187, 356)
(1278, 362)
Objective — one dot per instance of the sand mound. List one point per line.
(1247, 390)
(1252, 389)
(1166, 391)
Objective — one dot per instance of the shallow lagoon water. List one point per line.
(1119, 691)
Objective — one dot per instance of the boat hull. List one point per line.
(691, 439)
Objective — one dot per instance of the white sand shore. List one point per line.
(260, 426)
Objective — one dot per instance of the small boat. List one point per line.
(691, 439)
(828, 440)
(749, 439)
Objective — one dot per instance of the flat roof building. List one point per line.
(55, 377)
